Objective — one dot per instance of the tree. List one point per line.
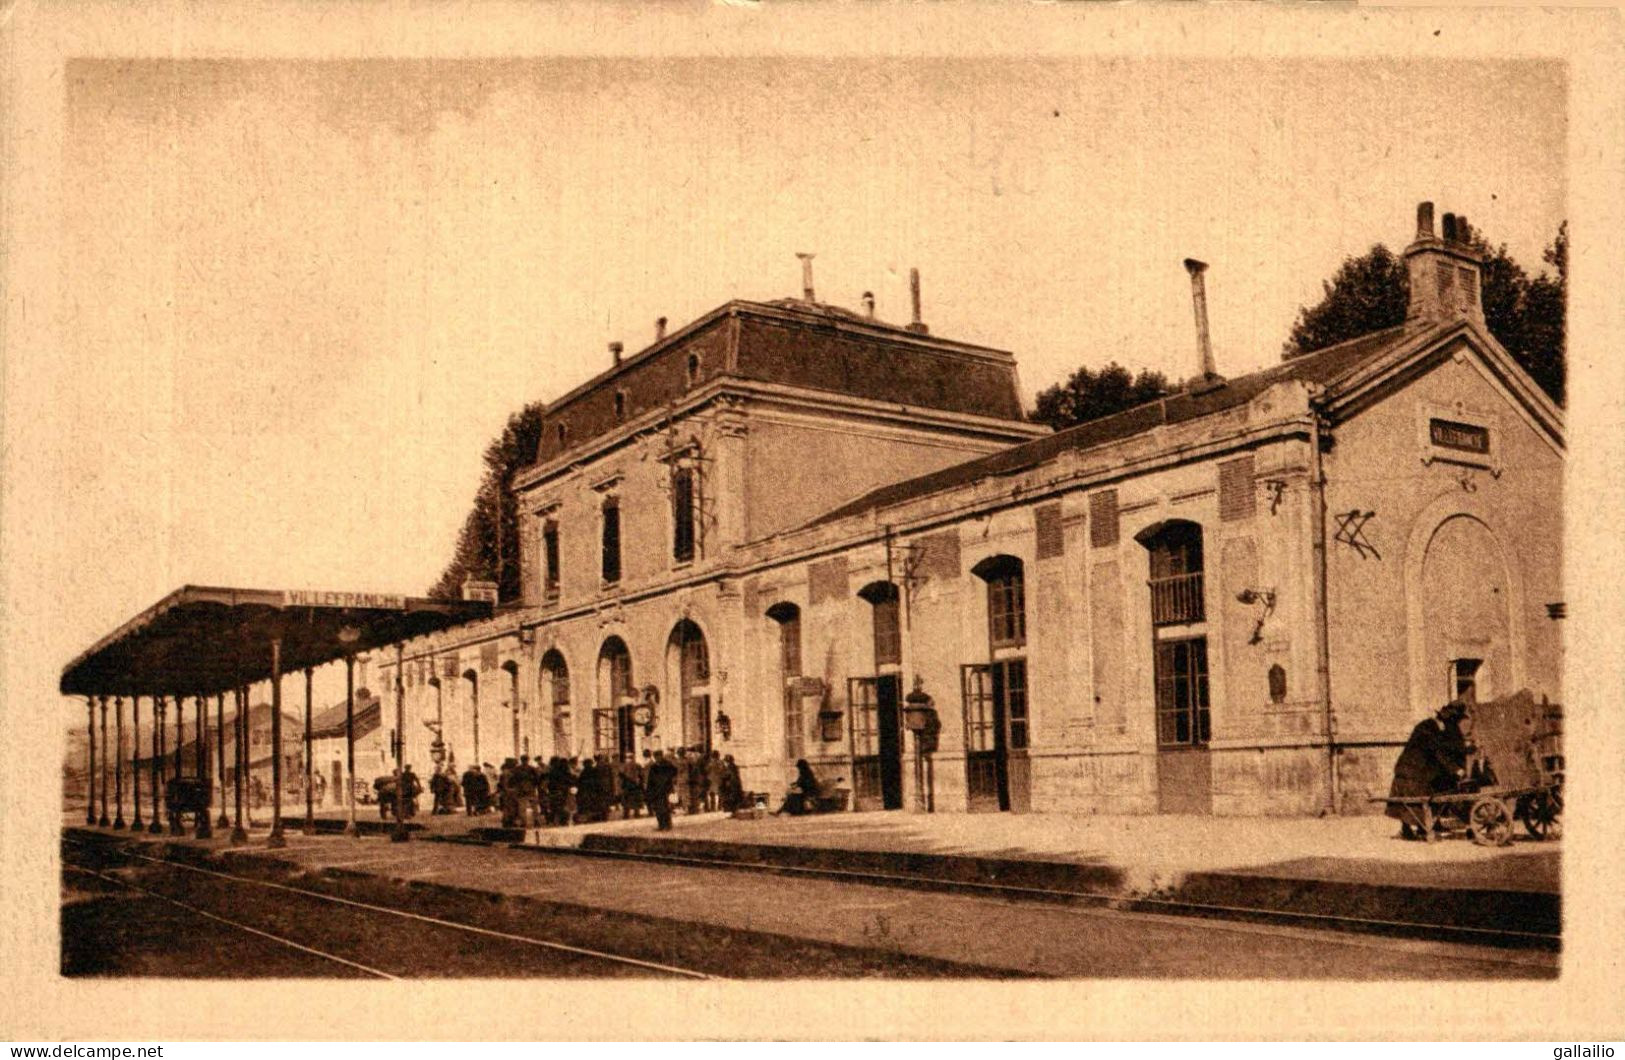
(488, 547)
(1088, 395)
(1526, 315)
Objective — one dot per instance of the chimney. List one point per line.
(1204, 345)
(660, 328)
(916, 324)
(615, 349)
(1444, 273)
(806, 277)
(869, 304)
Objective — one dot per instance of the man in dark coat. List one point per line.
(1434, 760)
(472, 781)
(733, 787)
(657, 789)
(631, 787)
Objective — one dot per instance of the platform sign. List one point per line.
(355, 601)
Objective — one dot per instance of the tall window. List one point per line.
(1006, 600)
(550, 557)
(1182, 693)
(682, 514)
(788, 617)
(888, 630)
(612, 539)
(556, 686)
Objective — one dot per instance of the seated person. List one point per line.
(804, 790)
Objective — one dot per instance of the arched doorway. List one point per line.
(875, 707)
(1465, 631)
(612, 729)
(995, 695)
(555, 690)
(688, 661)
(1177, 584)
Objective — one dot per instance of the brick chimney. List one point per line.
(1445, 274)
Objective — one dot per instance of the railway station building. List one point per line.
(790, 530)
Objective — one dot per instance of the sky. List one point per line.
(300, 297)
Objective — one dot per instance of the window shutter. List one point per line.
(1103, 519)
(1047, 527)
(612, 541)
(1238, 499)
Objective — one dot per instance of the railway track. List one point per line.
(1432, 931)
(574, 952)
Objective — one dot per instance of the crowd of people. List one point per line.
(576, 790)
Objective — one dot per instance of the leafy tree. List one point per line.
(1525, 314)
(1088, 395)
(488, 545)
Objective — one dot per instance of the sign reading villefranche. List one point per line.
(317, 598)
(1466, 437)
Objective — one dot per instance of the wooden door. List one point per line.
(1010, 710)
(982, 737)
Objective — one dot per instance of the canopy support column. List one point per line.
(103, 820)
(157, 825)
(352, 829)
(220, 755)
(176, 827)
(239, 732)
(90, 761)
(201, 826)
(400, 834)
(310, 793)
(118, 763)
(135, 760)
(513, 699)
(276, 838)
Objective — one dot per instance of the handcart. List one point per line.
(1514, 773)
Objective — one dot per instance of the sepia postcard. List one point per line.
(811, 522)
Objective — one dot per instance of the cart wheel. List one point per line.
(1489, 822)
(1543, 814)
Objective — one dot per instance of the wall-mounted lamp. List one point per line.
(725, 726)
(1265, 599)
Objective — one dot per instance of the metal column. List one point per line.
(238, 730)
(103, 820)
(276, 839)
(352, 829)
(400, 834)
(157, 825)
(90, 761)
(202, 826)
(220, 754)
(135, 760)
(175, 826)
(118, 763)
(310, 794)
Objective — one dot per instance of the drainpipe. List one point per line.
(1317, 543)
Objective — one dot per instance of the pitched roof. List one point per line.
(330, 722)
(1321, 367)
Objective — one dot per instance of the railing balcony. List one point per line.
(1176, 599)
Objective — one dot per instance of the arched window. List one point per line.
(1006, 600)
(888, 631)
(612, 730)
(693, 369)
(620, 405)
(1175, 548)
(688, 659)
(788, 618)
(556, 694)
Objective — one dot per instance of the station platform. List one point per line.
(1353, 867)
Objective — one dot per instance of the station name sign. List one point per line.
(317, 598)
(1464, 437)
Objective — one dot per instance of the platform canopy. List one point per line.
(200, 640)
